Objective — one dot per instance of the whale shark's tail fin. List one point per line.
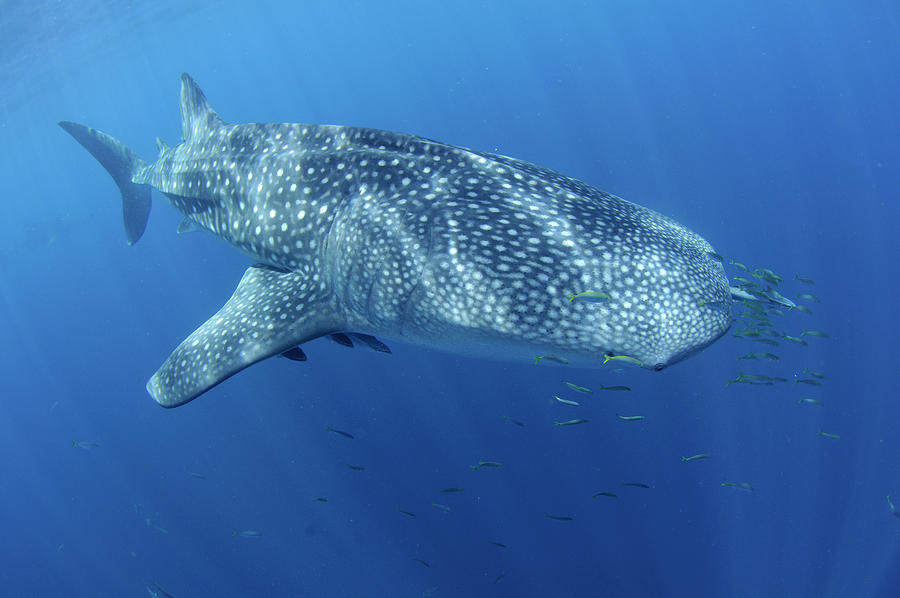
(121, 163)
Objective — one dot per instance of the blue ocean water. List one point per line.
(770, 128)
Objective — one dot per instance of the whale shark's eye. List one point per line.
(659, 367)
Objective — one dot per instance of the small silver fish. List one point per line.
(571, 422)
(741, 485)
(487, 464)
(695, 457)
(630, 418)
(578, 388)
(566, 401)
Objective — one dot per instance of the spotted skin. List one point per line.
(379, 233)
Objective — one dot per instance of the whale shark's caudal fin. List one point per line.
(121, 163)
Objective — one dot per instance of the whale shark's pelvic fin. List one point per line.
(121, 163)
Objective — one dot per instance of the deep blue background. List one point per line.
(772, 130)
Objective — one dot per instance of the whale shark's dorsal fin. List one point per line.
(197, 116)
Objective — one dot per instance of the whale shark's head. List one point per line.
(669, 297)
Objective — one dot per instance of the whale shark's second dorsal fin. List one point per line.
(197, 117)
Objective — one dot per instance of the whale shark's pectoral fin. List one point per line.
(270, 312)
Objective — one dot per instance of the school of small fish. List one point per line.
(761, 305)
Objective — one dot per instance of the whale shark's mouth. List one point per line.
(682, 355)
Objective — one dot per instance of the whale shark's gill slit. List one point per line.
(272, 268)
(409, 303)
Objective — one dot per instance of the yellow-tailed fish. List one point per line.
(558, 517)
(893, 508)
(85, 444)
(817, 333)
(765, 341)
(623, 358)
(513, 421)
(809, 381)
(566, 401)
(341, 432)
(571, 422)
(741, 485)
(590, 297)
(762, 355)
(578, 388)
(746, 334)
(695, 457)
(487, 464)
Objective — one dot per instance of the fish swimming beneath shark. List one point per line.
(360, 232)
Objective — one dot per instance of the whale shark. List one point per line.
(369, 233)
